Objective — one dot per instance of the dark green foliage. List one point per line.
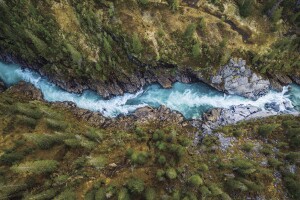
(47, 194)
(36, 167)
(94, 135)
(245, 7)
(174, 4)
(267, 149)
(247, 147)
(161, 159)
(123, 194)
(195, 180)
(44, 141)
(160, 175)
(171, 173)
(135, 185)
(215, 190)
(276, 16)
(68, 194)
(274, 162)
(203, 167)
(144, 2)
(244, 166)
(26, 121)
(292, 182)
(139, 157)
(196, 51)
(266, 129)
(293, 157)
(34, 113)
(56, 125)
(204, 191)
(294, 137)
(150, 194)
(189, 31)
(11, 158)
(236, 185)
(136, 44)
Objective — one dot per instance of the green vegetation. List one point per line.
(95, 41)
(147, 160)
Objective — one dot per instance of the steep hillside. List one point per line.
(109, 46)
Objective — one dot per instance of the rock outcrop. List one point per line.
(27, 90)
(222, 116)
(237, 78)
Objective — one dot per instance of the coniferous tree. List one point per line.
(36, 167)
(136, 44)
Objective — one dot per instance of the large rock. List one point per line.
(27, 90)
(224, 116)
(237, 78)
(162, 114)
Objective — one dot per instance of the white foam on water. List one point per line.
(189, 99)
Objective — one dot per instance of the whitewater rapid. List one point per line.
(192, 100)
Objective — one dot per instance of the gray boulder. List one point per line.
(237, 78)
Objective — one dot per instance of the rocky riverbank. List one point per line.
(210, 121)
(234, 78)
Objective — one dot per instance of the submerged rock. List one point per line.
(237, 78)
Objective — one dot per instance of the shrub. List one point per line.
(136, 44)
(174, 4)
(144, 2)
(204, 191)
(136, 185)
(97, 162)
(123, 194)
(266, 129)
(11, 158)
(292, 185)
(43, 141)
(36, 167)
(56, 125)
(236, 185)
(94, 135)
(189, 32)
(248, 147)
(293, 157)
(139, 157)
(196, 51)
(195, 180)
(225, 196)
(245, 7)
(160, 175)
(203, 168)
(215, 190)
(47, 194)
(161, 145)
(100, 194)
(26, 121)
(68, 194)
(253, 186)
(161, 159)
(171, 173)
(267, 149)
(32, 113)
(244, 166)
(150, 194)
(273, 162)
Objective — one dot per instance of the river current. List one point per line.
(192, 100)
